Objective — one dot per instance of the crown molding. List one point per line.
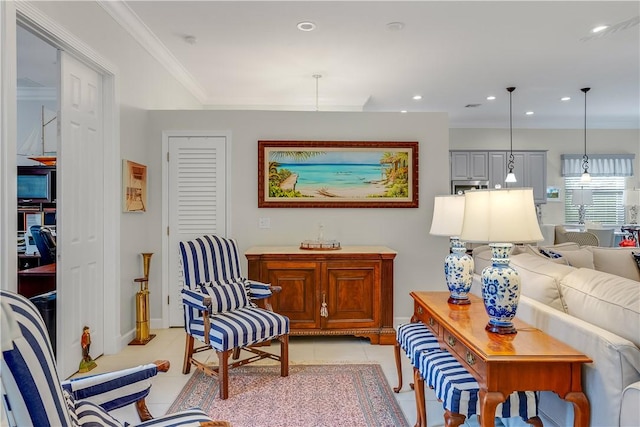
(127, 19)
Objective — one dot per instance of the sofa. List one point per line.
(588, 297)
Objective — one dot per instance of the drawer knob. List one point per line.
(451, 341)
(431, 321)
(419, 310)
(471, 359)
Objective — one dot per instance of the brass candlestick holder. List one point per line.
(142, 304)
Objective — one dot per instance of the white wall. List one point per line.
(143, 84)
(557, 142)
(419, 263)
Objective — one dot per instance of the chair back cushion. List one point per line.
(32, 395)
(209, 258)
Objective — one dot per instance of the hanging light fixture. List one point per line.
(586, 177)
(511, 177)
(317, 76)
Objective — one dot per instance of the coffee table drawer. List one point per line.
(427, 318)
(470, 360)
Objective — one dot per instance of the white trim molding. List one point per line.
(127, 19)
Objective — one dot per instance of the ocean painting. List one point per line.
(337, 174)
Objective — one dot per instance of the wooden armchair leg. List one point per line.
(284, 355)
(223, 373)
(188, 352)
(143, 411)
(396, 351)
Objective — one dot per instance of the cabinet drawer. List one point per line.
(471, 361)
(426, 317)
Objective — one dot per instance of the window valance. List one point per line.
(599, 164)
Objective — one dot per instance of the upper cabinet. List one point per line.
(469, 165)
(530, 168)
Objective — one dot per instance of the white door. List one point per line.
(80, 286)
(197, 202)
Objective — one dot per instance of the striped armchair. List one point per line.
(220, 310)
(32, 394)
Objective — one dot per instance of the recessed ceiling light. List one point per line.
(565, 98)
(403, 111)
(306, 26)
(491, 98)
(599, 28)
(190, 39)
(529, 113)
(417, 97)
(395, 26)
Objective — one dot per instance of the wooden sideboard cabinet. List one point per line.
(339, 292)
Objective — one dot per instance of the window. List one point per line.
(607, 205)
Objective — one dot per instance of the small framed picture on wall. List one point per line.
(134, 187)
(553, 194)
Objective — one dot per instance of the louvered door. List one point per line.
(197, 202)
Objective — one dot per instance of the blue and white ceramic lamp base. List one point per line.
(458, 271)
(500, 290)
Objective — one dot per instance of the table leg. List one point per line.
(489, 401)
(421, 408)
(581, 409)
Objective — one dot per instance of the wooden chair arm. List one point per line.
(275, 289)
(163, 365)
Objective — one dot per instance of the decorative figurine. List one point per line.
(87, 363)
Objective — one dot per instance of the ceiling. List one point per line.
(251, 55)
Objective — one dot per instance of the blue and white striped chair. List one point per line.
(459, 392)
(32, 394)
(412, 338)
(219, 310)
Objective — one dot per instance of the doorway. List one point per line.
(194, 180)
(12, 15)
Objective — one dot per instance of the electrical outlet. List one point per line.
(264, 222)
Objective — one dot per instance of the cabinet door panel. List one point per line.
(351, 294)
(297, 300)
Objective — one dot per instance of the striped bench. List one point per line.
(412, 338)
(459, 392)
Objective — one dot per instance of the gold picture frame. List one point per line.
(337, 174)
(134, 187)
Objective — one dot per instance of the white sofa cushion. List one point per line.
(579, 258)
(616, 364)
(605, 300)
(618, 261)
(540, 278)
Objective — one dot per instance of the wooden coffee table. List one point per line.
(529, 360)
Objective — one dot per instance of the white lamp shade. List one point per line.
(505, 216)
(631, 197)
(582, 197)
(447, 215)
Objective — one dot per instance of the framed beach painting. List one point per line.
(337, 174)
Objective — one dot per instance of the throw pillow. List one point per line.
(581, 258)
(226, 296)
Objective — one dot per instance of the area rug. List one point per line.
(349, 395)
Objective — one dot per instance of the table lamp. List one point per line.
(458, 266)
(503, 216)
(581, 198)
(631, 198)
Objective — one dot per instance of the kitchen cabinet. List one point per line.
(339, 292)
(469, 165)
(530, 168)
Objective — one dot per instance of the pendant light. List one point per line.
(586, 177)
(511, 177)
(317, 76)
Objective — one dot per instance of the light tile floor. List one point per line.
(169, 344)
